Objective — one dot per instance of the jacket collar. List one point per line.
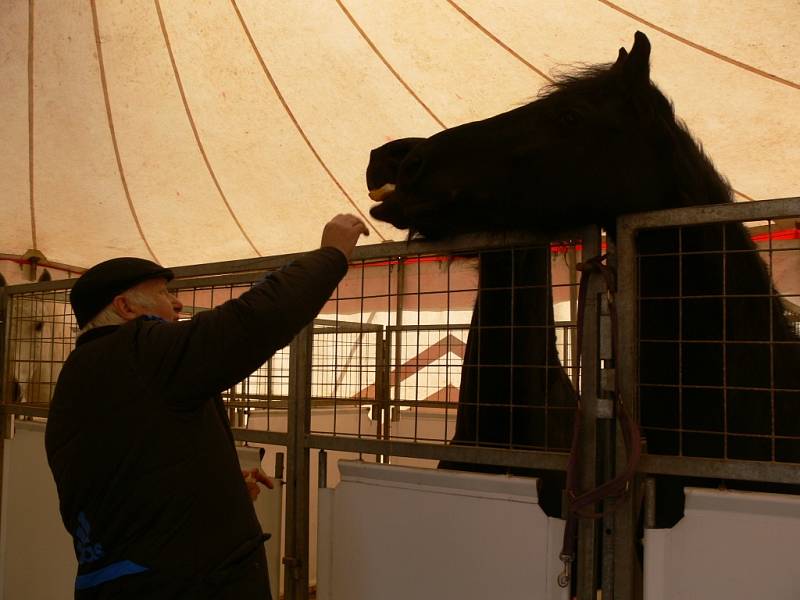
(99, 332)
(96, 333)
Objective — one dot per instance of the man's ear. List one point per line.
(123, 308)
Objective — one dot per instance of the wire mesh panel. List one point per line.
(719, 359)
(40, 333)
(395, 343)
(718, 347)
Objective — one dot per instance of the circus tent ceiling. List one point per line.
(192, 131)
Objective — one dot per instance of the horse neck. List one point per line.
(691, 177)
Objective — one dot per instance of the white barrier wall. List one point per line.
(732, 545)
(395, 533)
(269, 510)
(37, 558)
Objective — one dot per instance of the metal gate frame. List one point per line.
(622, 577)
(606, 554)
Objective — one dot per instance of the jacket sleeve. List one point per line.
(190, 361)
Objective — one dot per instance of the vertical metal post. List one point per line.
(572, 333)
(627, 571)
(606, 445)
(279, 466)
(382, 404)
(297, 485)
(4, 312)
(398, 331)
(587, 528)
(322, 469)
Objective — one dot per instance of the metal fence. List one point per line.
(379, 373)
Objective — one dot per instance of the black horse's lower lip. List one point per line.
(389, 213)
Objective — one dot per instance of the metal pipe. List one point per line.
(322, 469)
(297, 489)
(279, 465)
(588, 543)
(649, 502)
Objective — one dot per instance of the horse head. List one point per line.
(594, 145)
(37, 346)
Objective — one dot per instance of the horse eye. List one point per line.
(409, 169)
(569, 117)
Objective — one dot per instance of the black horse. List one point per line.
(719, 366)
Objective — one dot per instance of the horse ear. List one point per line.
(623, 54)
(637, 65)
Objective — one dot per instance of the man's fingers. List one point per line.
(262, 477)
(257, 475)
(362, 228)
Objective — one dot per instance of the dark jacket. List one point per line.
(141, 449)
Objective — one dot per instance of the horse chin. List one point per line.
(391, 212)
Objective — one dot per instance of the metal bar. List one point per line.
(649, 503)
(255, 436)
(297, 488)
(555, 461)
(745, 470)
(322, 469)
(397, 337)
(627, 577)
(252, 269)
(382, 391)
(324, 326)
(586, 560)
(711, 213)
(5, 424)
(25, 409)
(608, 435)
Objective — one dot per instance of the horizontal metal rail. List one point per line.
(529, 459)
(744, 470)
(249, 270)
(711, 213)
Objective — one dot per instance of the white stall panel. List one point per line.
(730, 544)
(395, 533)
(269, 510)
(38, 561)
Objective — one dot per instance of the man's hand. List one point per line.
(252, 477)
(342, 232)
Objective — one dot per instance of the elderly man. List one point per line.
(138, 441)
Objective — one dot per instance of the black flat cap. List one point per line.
(98, 286)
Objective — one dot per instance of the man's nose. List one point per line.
(176, 303)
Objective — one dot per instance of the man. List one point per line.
(138, 441)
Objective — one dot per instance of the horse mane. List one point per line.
(692, 174)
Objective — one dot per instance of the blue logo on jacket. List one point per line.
(84, 549)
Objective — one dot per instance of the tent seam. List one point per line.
(703, 49)
(297, 125)
(499, 42)
(31, 201)
(196, 133)
(388, 64)
(112, 130)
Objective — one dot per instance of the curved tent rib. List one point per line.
(193, 125)
(699, 47)
(31, 197)
(112, 131)
(392, 70)
(297, 125)
(500, 42)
